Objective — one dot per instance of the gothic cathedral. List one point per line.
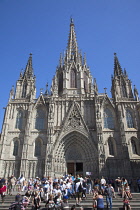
(71, 128)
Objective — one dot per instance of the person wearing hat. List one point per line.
(65, 204)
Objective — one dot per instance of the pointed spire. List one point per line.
(125, 73)
(29, 69)
(72, 47)
(47, 92)
(85, 60)
(136, 94)
(61, 60)
(12, 91)
(95, 85)
(117, 66)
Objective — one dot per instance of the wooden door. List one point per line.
(70, 168)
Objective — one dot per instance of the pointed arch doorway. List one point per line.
(74, 154)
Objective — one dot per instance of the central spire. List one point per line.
(72, 47)
(117, 66)
(29, 69)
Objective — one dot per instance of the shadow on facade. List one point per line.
(121, 166)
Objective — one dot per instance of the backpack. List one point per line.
(18, 206)
(80, 188)
(1, 184)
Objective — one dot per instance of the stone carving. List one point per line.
(74, 119)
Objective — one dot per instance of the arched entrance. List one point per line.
(74, 160)
(75, 154)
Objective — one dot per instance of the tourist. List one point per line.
(118, 183)
(127, 191)
(126, 204)
(65, 204)
(100, 201)
(138, 183)
(109, 192)
(50, 202)
(36, 201)
(2, 191)
(78, 191)
(11, 184)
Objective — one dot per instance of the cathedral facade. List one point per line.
(72, 128)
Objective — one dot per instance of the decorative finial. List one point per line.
(71, 20)
(105, 90)
(41, 91)
(115, 54)
(47, 92)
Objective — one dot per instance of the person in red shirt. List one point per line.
(126, 204)
(2, 191)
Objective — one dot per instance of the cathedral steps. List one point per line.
(87, 203)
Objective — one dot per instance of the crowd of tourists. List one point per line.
(56, 192)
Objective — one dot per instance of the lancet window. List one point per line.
(37, 148)
(73, 83)
(19, 119)
(124, 90)
(40, 119)
(24, 90)
(16, 147)
(129, 119)
(60, 86)
(108, 119)
(134, 147)
(111, 148)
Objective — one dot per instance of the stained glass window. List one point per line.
(124, 91)
(40, 119)
(15, 150)
(108, 119)
(134, 147)
(129, 119)
(73, 79)
(19, 119)
(60, 86)
(24, 90)
(111, 148)
(37, 148)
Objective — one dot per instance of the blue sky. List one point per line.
(41, 27)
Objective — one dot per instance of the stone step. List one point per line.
(86, 203)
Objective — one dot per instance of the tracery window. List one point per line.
(111, 148)
(37, 148)
(134, 147)
(73, 79)
(19, 120)
(40, 119)
(60, 85)
(124, 91)
(108, 119)
(24, 90)
(16, 147)
(129, 119)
